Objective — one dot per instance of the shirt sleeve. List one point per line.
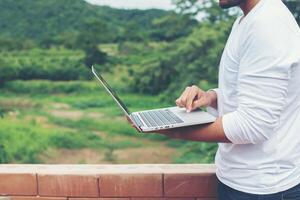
(262, 86)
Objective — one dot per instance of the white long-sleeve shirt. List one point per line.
(259, 102)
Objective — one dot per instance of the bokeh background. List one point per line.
(53, 111)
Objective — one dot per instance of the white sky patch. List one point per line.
(135, 4)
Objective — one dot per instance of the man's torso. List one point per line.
(274, 165)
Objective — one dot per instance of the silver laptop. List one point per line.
(158, 119)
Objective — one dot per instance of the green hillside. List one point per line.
(39, 19)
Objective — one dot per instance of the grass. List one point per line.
(24, 137)
(30, 128)
(40, 55)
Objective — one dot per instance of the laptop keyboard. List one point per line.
(160, 118)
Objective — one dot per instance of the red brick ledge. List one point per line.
(108, 182)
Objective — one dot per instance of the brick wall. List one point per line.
(108, 182)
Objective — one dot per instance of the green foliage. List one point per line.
(94, 32)
(214, 13)
(49, 87)
(76, 140)
(193, 60)
(61, 22)
(92, 125)
(172, 27)
(2, 112)
(29, 129)
(195, 152)
(8, 44)
(294, 7)
(208, 9)
(67, 15)
(51, 64)
(7, 73)
(21, 142)
(94, 56)
(189, 60)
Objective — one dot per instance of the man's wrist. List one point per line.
(212, 95)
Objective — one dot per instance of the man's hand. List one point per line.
(193, 98)
(131, 123)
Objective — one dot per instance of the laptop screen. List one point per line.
(111, 92)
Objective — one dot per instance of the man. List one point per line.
(257, 104)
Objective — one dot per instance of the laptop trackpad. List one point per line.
(197, 116)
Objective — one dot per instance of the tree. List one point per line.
(208, 9)
(95, 32)
(172, 27)
(193, 59)
(188, 61)
(93, 55)
(212, 10)
(3, 154)
(10, 44)
(133, 32)
(7, 72)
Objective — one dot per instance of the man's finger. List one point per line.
(132, 124)
(184, 97)
(135, 128)
(129, 120)
(180, 100)
(190, 98)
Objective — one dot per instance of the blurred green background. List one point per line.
(53, 111)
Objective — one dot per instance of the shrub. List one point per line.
(75, 140)
(52, 64)
(6, 73)
(21, 142)
(50, 87)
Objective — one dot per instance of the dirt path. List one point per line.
(153, 155)
(150, 152)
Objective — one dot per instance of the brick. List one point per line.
(163, 198)
(190, 185)
(18, 184)
(68, 185)
(37, 198)
(131, 185)
(207, 198)
(99, 198)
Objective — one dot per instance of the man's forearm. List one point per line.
(206, 133)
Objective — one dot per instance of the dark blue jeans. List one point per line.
(227, 193)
